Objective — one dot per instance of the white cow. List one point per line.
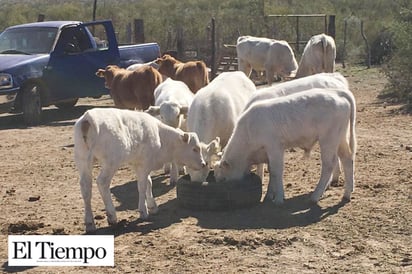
(116, 137)
(275, 57)
(318, 56)
(267, 128)
(321, 80)
(214, 111)
(139, 65)
(172, 101)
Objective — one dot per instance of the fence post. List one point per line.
(94, 10)
(40, 18)
(368, 52)
(179, 43)
(129, 33)
(213, 41)
(138, 31)
(344, 43)
(331, 26)
(297, 34)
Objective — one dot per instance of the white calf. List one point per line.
(321, 80)
(269, 127)
(214, 111)
(318, 56)
(116, 137)
(275, 57)
(139, 65)
(172, 101)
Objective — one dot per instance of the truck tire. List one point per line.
(67, 104)
(213, 196)
(32, 105)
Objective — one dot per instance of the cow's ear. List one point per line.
(214, 146)
(153, 110)
(100, 73)
(185, 137)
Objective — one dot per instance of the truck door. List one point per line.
(79, 52)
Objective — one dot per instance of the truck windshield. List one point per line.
(27, 40)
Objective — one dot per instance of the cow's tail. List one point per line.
(85, 133)
(352, 122)
(325, 52)
(201, 66)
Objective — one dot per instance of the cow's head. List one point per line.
(209, 153)
(188, 151)
(171, 113)
(108, 74)
(167, 65)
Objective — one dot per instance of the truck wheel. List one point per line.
(32, 105)
(67, 104)
(211, 195)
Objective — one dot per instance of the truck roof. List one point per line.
(53, 24)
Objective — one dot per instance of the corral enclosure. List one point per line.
(40, 194)
(186, 25)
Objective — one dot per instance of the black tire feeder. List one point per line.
(212, 195)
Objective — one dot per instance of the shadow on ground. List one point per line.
(296, 212)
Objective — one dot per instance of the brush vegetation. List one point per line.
(387, 25)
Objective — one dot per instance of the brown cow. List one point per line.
(193, 73)
(131, 89)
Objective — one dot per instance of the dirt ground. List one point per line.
(40, 194)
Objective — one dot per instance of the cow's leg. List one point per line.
(348, 164)
(103, 184)
(329, 158)
(174, 173)
(147, 203)
(275, 191)
(336, 173)
(245, 67)
(151, 203)
(142, 183)
(166, 168)
(260, 170)
(86, 190)
(270, 74)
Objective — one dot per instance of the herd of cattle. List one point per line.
(227, 125)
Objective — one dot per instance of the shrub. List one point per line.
(399, 67)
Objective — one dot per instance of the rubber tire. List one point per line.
(213, 196)
(32, 105)
(67, 104)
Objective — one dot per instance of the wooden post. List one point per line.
(138, 31)
(40, 18)
(179, 43)
(213, 42)
(368, 52)
(94, 10)
(331, 26)
(344, 43)
(129, 33)
(297, 34)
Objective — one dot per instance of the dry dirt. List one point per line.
(40, 194)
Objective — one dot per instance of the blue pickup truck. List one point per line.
(54, 63)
